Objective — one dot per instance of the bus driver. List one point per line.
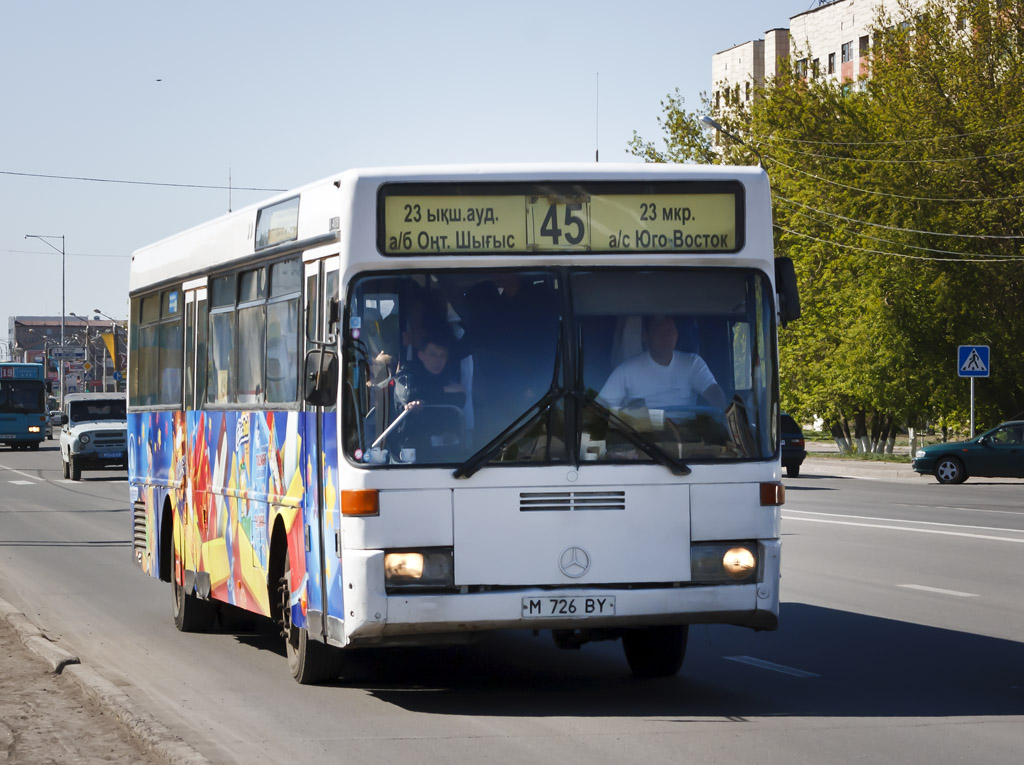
(661, 377)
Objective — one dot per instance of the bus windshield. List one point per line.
(22, 396)
(560, 366)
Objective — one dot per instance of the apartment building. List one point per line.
(830, 40)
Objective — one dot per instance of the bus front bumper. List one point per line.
(385, 616)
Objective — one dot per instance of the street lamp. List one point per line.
(708, 122)
(43, 238)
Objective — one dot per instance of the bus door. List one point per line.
(320, 458)
(192, 503)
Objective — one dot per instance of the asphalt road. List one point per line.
(902, 639)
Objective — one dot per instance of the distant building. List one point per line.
(95, 350)
(831, 40)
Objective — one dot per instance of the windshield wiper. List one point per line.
(638, 439)
(509, 434)
(520, 423)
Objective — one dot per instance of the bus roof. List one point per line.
(334, 208)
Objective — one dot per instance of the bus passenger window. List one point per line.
(251, 348)
(220, 355)
(282, 351)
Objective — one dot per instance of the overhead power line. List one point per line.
(861, 235)
(69, 254)
(895, 142)
(895, 228)
(968, 259)
(927, 161)
(136, 183)
(775, 161)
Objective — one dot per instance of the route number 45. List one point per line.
(564, 220)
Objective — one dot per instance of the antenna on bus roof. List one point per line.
(229, 188)
(597, 114)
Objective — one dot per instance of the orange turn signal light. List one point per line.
(360, 502)
(773, 494)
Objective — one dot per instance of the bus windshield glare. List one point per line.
(553, 366)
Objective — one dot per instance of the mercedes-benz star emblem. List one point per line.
(574, 562)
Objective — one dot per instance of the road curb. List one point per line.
(840, 468)
(149, 732)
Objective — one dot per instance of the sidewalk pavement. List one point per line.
(53, 709)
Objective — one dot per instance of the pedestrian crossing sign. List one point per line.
(972, 361)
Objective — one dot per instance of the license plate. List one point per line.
(7, 435)
(110, 455)
(574, 606)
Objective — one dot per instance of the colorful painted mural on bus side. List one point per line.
(233, 480)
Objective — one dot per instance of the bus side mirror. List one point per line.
(789, 294)
(320, 380)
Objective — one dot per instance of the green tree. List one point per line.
(898, 199)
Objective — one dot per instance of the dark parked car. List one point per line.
(997, 453)
(793, 451)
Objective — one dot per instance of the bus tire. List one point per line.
(309, 661)
(76, 469)
(191, 613)
(655, 651)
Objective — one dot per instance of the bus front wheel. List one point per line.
(655, 651)
(309, 660)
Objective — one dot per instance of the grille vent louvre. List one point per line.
(547, 501)
(139, 522)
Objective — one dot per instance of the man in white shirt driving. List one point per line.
(661, 377)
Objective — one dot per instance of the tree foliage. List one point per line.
(899, 199)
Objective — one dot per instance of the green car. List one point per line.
(997, 453)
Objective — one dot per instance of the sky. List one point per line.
(273, 95)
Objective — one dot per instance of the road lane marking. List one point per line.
(938, 590)
(769, 665)
(18, 472)
(918, 506)
(22, 483)
(905, 528)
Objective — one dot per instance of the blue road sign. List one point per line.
(972, 361)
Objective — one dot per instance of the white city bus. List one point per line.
(377, 409)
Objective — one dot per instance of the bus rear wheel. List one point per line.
(655, 651)
(191, 613)
(310, 661)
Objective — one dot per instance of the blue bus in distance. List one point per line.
(23, 422)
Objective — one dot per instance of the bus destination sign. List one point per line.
(440, 219)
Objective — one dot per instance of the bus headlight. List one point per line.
(724, 562)
(34, 429)
(419, 569)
